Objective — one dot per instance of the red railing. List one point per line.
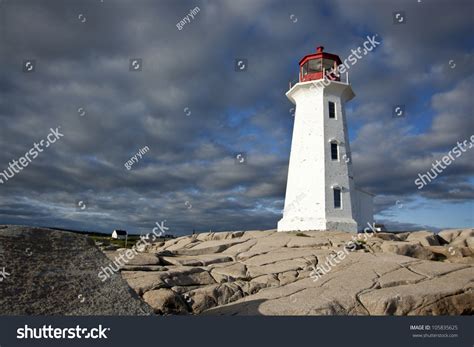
(344, 78)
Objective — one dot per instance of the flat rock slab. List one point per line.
(143, 281)
(208, 247)
(143, 268)
(124, 257)
(399, 277)
(233, 271)
(271, 274)
(450, 294)
(301, 241)
(54, 272)
(202, 260)
(281, 255)
(427, 269)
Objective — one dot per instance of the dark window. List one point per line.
(315, 65)
(334, 151)
(332, 110)
(337, 198)
(305, 69)
(328, 65)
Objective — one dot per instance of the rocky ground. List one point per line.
(51, 272)
(268, 273)
(44, 271)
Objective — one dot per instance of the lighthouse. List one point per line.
(321, 193)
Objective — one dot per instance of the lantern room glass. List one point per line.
(311, 66)
(318, 66)
(314, 65)
(328, 65)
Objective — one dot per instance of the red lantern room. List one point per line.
(315, 66)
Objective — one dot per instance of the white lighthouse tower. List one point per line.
(320, 192)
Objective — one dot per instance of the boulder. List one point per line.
(425, 238)
(403, 236)
(165, 301)
(465, 239)
(210, 296)
(387, 236)
(287, 277)
(56, 272)
(458, 237)
(409, 249)
(450, 234)
(453, 254)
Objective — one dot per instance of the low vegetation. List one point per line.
(122, 243)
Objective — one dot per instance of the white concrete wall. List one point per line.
(312, 173)
(338, 171)
(303, 206)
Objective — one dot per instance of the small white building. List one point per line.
(321, 192)
(119, 234)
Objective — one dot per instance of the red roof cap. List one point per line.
(320, 54)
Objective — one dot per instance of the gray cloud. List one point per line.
(191, 156)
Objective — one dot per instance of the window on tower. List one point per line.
(305, 69)
(334, 151)
(332, 109)
(337, 198)
(314, 66)
(328, 65)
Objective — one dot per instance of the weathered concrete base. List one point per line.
(311, 224)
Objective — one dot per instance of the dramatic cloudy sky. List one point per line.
(196, 113)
